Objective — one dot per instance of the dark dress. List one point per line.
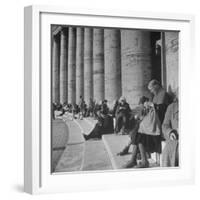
(103, 126)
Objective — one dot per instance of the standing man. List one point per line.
(170, 130)
(160, 101)
(160, 98)
(81, 107)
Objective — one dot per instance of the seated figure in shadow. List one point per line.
(122, 115)
(103, 126)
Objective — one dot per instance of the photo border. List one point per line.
(37, 177)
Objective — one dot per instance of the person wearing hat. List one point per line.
(103, 126)
(160, 99)
(122, 116)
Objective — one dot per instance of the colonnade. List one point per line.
(100, 64)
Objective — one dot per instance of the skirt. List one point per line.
(151, 143)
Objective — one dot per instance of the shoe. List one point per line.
(130, 164)
(123, 152)
(142, 165)
(85, 136)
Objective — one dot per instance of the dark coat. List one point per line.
(103, 126)
(170, 152)
(123, 109)
(161, 100)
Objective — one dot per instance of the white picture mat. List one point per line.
(43, 180)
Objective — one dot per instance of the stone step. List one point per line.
(96, 156)
(85, 127)
(91, 121)
(114, 144)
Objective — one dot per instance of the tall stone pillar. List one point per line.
(79, 64)
(63, 65)
(88, 64)
(98, 64)
(55, 69)
(112, 56)
(71, 65)
(136, 64)
(171, 46)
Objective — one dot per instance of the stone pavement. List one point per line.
(60, 136)
(96, 156)
(81, 155)
(72, 157)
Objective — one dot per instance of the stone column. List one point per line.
(98, 64)
(79, 64)
(63, 66)
(71, 65)
(88, 64)
(136, 64)
(171, 47)
(55, 69)
(112, 56)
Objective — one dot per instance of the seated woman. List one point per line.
(122, 115)
(147, 137)
(103, 126)
(134, 123)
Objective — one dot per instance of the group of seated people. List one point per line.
(81, 109)
(151, 122)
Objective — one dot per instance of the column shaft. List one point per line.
(88, 69)
(79, 64)
(63, 66)
(136, 64)
(112, 56)
(171, 50)
(71, 65)
(55, 70)
(98, 64)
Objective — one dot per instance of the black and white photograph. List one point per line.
(114, 99)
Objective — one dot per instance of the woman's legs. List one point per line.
(144, 162)
(95, 133)
(118, 123)
(133, 162)
(125, 149)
